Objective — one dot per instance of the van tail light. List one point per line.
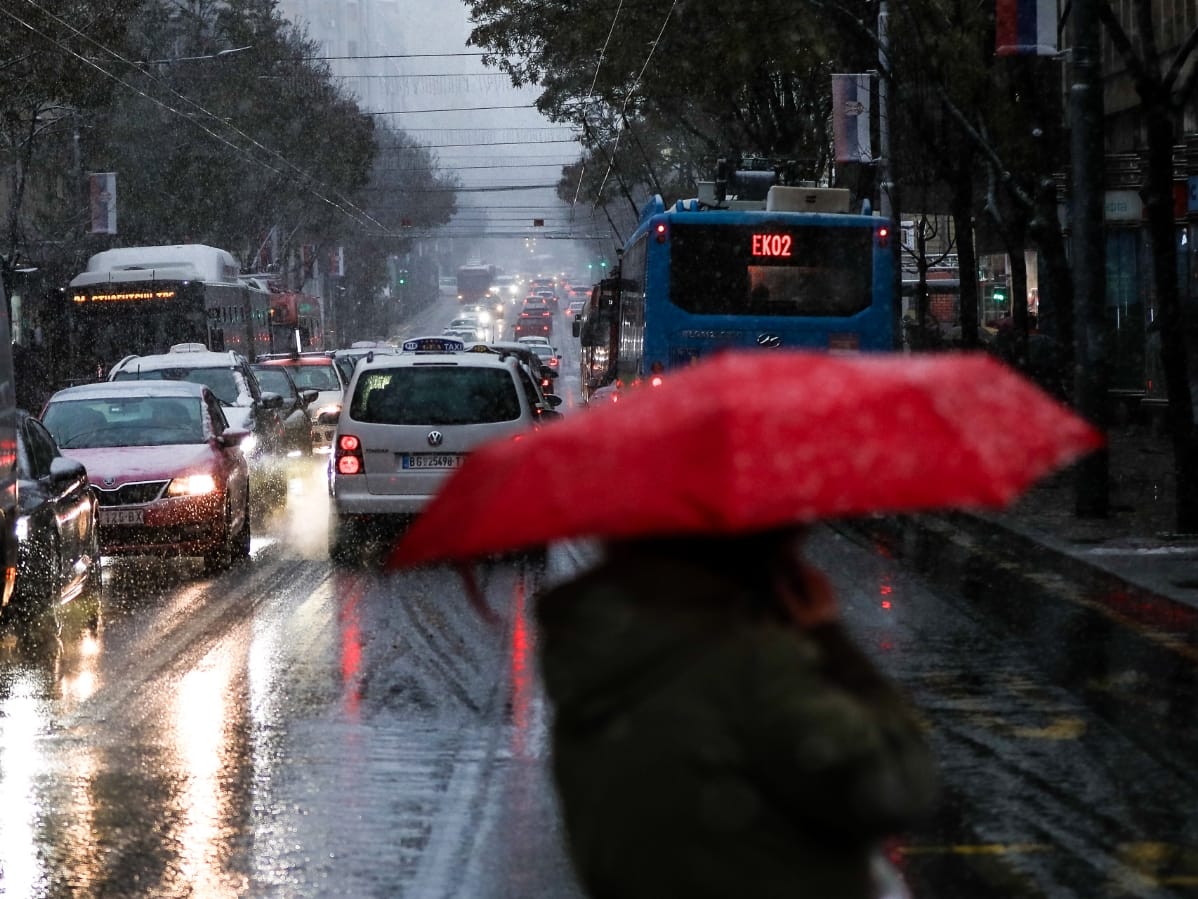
(348, 455)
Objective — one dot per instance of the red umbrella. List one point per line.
(752, 440)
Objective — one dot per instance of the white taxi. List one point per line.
(410, 419)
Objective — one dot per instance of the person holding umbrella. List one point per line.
(716, 733)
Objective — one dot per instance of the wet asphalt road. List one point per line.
(292, 729)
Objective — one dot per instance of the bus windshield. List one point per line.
(741, 269)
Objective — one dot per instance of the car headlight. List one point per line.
(249, 443)
(22, 528)
(484, 318)
(192, 485)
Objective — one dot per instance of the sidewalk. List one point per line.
(1137, 542)
(1134, 551)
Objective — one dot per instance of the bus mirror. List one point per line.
(588, 335)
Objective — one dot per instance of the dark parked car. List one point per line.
(294, 421)
(58, 543)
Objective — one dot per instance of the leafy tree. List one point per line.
(675, 85)
(47, 84)
(404, 194)
(218, 147)
(1164, 89)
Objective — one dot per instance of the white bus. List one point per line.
(143, 300)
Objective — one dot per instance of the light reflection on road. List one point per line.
(23, 713)
(201, 746)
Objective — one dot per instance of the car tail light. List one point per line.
(348, 457)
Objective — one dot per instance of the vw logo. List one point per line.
(435, 438)
(110, 482)
(769, 341)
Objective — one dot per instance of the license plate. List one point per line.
(122, 516)
(431, 460)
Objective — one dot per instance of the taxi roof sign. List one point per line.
(433, 345)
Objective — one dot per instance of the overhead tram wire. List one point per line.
(496, 143)
(453, 109)
(395, 56)
(365, 216)
(591, 90)
(628, 96)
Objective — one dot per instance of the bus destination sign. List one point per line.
(772, 245)
(124, 296)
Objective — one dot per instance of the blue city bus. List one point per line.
(696, 280)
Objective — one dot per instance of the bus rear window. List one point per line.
(771, 269)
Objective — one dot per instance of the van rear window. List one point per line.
(435, 395)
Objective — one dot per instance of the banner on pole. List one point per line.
(102, 193)
(850, 117)
(1025, 28)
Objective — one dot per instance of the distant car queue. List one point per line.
(159, 458)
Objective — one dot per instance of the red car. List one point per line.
(535, 319)
(168, 470)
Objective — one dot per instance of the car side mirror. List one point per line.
(547, 372)
(64, 470)
(328, 418)
(553, 400)
(576, 327)
(309, 396)
(549, 415)
(271, 400)
(232, 437)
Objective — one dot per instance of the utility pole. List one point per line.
(885, 182)
(1092, 373)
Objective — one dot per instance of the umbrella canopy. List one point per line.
(752, 440)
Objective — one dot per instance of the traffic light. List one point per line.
(998, 294)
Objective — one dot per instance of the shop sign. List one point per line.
(1122, 206)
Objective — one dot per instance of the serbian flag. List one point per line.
(1025, 27)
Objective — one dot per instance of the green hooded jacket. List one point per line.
(700, 751)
